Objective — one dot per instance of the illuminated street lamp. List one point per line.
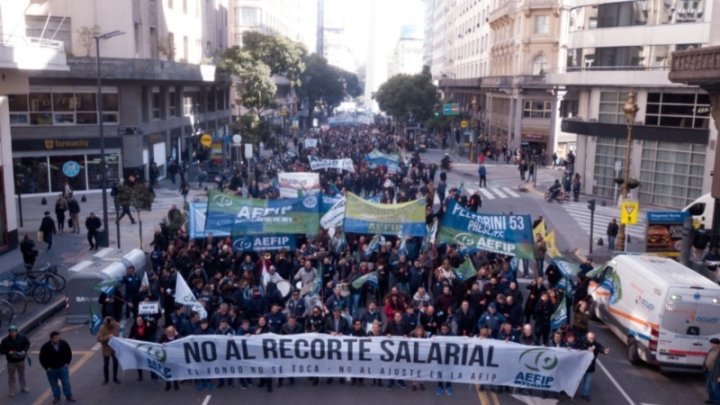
(630, 109)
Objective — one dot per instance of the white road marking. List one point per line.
(499, 193)
(96, 347)
(486, 193)
(206, 401)
(512, 193)
(533, 400)
(615, 383)
(103, 252)
(81, 266)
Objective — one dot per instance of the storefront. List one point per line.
(43, 166)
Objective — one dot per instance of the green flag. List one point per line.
(466, 270)
(107, 286)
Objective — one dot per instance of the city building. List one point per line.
(407, 57)
(332, 41)
(160, 90)
(21, 52)
(619, 47)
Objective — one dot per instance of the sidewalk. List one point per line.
(69, 249)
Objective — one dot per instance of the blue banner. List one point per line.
(247, 216)
(377, 158)
(264, 243)
(327, 202)
(666, 217)
(504, 234)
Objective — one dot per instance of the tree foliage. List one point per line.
(138, 196)
(325, 84)
(280, 54)
(408, 96)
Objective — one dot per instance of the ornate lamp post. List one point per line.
(630, 109)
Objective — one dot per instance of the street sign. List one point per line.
(464, 124)
(71, 168)
(629, 212)
(451, 109)
(283, 112)
(206, 140)
(237, 139)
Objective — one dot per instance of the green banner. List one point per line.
(362, 216)
(231, 215)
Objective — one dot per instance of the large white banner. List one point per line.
(294, 184)
(335, 216)
(311, 143)
(452, 359)
(339, 164)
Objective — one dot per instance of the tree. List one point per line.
(281, 55)
(321, 84)
(408, 96)
(138, 197)
(256, 90)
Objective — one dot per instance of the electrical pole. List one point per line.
(591, 207)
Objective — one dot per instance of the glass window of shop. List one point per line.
(43, 174)
(58, 178)
(94, 169)
(611, 107)
(31, 175)
(608, 151)
(671, 174)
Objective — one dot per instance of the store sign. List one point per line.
(663, 235)
(52, 144)
(71, 168)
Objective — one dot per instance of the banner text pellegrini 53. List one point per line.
(453, 359)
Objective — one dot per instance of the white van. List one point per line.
(702, 211)
(665, 312)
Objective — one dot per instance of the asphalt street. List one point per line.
(615, 381)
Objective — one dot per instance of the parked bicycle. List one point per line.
(47, 274)
(15, 298)
(39, 290)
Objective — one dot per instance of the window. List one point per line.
(671, 173)
(189, 104)
(247, 16)
(154, 54)
(184, 6)
(61, 108)
(542, 25)
(539, 65)
(57, 28)
(210, 96)
(186, 50)
(170, 52)
(220, 96)
(172, 96)
(608, 151)
(611, 107)
(155, 103)
(537, 109)
(170, 4)
(684, 110)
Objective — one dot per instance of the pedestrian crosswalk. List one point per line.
(603, 215)
(489, 193)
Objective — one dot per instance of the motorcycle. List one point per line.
(559, 197)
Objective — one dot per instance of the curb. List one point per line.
(50, 310)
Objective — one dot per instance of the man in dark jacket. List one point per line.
(93, 223)
(55, 358)
(47, 227)
(591, 345)
(14, 347)
(465, 320)
(29, 253)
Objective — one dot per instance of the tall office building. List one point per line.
(618, 47)
(407, 57)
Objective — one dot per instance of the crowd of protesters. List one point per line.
(417, 294)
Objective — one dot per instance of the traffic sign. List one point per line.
(629, 212)
(206, 140)
(451, 109)
(464, 124)
(71, 168)
(237, 139)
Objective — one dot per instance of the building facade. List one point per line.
(407, 57)
(22, 52)
(159, 91)
(618, 47)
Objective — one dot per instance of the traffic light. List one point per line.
(591, 205)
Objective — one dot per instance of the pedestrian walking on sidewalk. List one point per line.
(482, 173)
(14, 347)
(612, 231)
(74, 208)
(48, 229)
(60, 208)
(55, 358)
(93, 224)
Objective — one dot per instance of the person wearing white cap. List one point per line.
(15, 347)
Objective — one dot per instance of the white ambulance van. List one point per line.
(702, 210)
(664, 312)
